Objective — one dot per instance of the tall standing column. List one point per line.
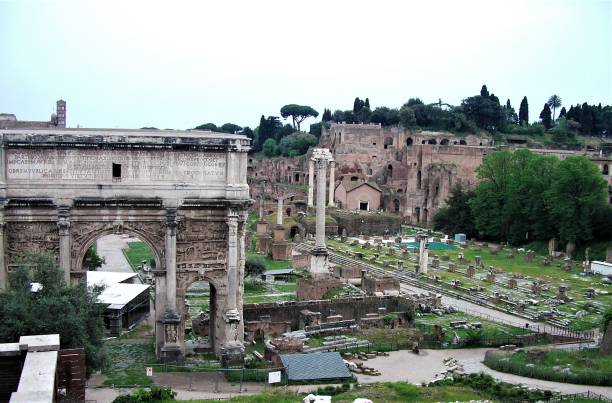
(3, 276)
(63, 225)
(171, 351)
(319, 256)
(332, 185)
(279, 212)
(310, 183)
(232, 258)
(171, 223)
(320, 221)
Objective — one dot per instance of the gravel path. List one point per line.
(477, 310)
(109, 247)
(406, 366)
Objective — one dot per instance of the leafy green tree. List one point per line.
(208, 126)
(71, 311)
(456, 217)
(546, 116)
(364, 115)
(296, 144)
(385, 116)
(92, 260)
(270, 148)
(554, 102)
(298, 114)
(524, 112)
(491, 195)
(407, 117)
(254, 266)
(230, 128)
(485, 112)
(576, 194)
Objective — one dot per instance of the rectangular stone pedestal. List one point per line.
(319, 263)
(281, 250)
(264, 244)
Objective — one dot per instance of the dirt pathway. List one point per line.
(406, 366)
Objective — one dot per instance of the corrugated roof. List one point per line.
(303, 367)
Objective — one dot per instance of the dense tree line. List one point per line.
(70, 311)
(524, 197)
(483, 111)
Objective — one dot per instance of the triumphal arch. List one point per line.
(184, 193)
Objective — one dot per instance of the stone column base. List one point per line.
(319, 262)
(172, 350)
(232, 354)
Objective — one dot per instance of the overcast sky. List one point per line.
(177, 64)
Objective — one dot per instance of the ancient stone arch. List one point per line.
(183, 193)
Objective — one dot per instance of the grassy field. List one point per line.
(126, 363)
(584, 367)
(490, 330)
(136, 252)
(552, 276)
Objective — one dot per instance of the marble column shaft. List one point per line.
(63, 225)
(170, 252)
(279, 211)
(310, 183)
(332, 179)
(232, 259)
(320, 218)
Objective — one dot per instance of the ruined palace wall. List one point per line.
(349, 308)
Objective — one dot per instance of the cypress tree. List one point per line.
(546, 116)
(357, 105)
(367, 103)
(562, 113)
(508, 104)
(524, 112)
(484, 92)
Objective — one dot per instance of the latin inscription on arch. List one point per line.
(137, 166)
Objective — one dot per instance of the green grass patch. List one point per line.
(586, 367)
(269, 263)
(136, 252)
(127, 363)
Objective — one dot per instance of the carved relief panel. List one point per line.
(201, 245)
(24, 238)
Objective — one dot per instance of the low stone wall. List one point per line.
(348, 308)
(309, 289)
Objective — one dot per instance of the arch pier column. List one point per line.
(63, 226)
(232, 328)
(171, 350)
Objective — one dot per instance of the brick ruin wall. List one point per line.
(348, 308)
(415, 169)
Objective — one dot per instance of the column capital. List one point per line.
(172, 220)
(63, 220)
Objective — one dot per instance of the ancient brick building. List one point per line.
(58, 119)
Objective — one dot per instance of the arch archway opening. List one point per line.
(124, 265)
(409, 141)
(200, 312)
(444, 142)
